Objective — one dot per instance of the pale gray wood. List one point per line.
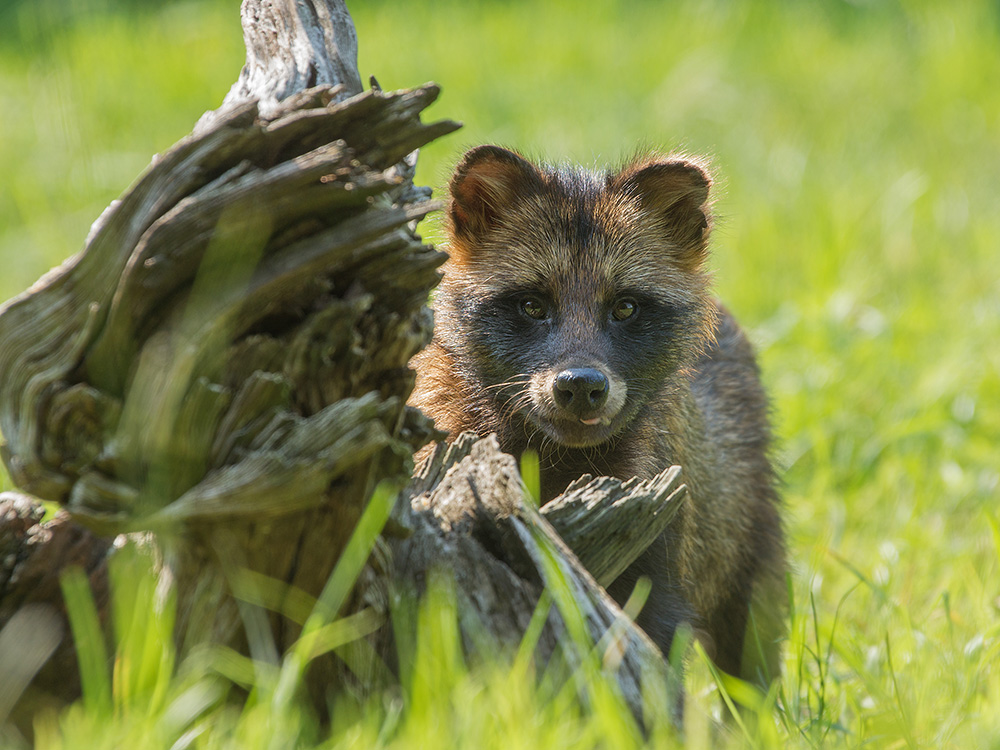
(471, 516)
(609, 523)
(293, 45)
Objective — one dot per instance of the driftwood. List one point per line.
(469, 516)
(224, 366)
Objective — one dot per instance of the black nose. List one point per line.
(581, 391)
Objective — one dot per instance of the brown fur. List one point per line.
(680, 383)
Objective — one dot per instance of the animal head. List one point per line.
(571, 297)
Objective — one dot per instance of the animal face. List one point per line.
(572, 297)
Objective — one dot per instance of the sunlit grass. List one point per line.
(857, 148)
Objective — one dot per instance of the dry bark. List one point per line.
(472, 517)
(224, 366)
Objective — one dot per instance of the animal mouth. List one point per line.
(575, 407)
(576, 432)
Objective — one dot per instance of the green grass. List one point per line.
(857, 147)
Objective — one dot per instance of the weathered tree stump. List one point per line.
(224, 367)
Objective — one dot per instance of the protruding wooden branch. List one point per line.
(609, 523)
(470, 516)
(293, 45)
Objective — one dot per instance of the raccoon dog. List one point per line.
(575, 319)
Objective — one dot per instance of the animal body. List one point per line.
(575, 319)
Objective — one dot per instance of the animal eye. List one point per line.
(534, 307)
(624, 309)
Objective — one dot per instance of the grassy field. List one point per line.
(857, 147)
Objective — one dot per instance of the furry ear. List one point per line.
(486, 181)
(674, 190)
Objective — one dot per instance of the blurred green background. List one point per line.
(857, 151)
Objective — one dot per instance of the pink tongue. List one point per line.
(595, 420)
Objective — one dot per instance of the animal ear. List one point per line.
(676, 192)
(486, 182)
